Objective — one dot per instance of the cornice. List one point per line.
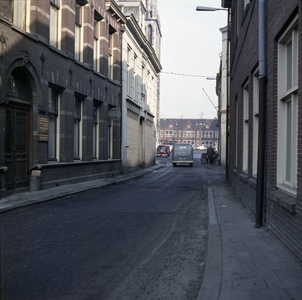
(113, 9)
(143, 42)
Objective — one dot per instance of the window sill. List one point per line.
(284, 200)
(287, 190)
(252, 182)
(244, 177)
(289, 92)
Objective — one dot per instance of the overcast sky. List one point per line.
(191, 43)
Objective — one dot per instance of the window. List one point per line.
(211, 134)
(95, 131)
(78, 39)
(161, 133)
(149, 34)
(135, 76)
(245, 127)
(255, 121)
(110, 140)
(53, 130)
(110, 52)
(96, 41)
(96, 47)
(21, 14)
(288, 108)
(129, 71)
(54, 24)
(77, 127)
(143, 87)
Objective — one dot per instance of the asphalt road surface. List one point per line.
(142, 239)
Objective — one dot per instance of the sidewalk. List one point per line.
(27, 198)
(244, 263)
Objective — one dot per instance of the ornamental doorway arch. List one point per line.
(18, 128)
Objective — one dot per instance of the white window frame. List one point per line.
(255, 121)
(287, 154)
(96, 131)
(77, 145)
(129, 52)
(96, 46)
(78, 34)
(245, 140)
(135, 76)
(55, 24)
(110, 140)
(110, 56)
(54, 125)
(21, 14)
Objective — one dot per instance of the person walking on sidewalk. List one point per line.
(210, 153)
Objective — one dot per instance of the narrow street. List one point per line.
(145, 238)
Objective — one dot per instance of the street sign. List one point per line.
(114, 114)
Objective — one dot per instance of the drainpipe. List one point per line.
(262, 117)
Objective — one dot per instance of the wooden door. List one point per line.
(16, 148)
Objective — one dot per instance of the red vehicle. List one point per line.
(163, 150)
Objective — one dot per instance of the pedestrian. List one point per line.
(210, 153)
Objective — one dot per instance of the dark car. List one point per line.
(163, 150)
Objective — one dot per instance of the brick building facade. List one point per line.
(196, 132)
(279, 88)
(60, 75)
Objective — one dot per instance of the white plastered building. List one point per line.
(140, 70)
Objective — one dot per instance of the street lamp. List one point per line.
(205, 8)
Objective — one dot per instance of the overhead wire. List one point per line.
(191, 75)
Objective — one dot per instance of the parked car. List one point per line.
(163, 150)
(182, 153)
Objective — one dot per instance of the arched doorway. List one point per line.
(18, 124)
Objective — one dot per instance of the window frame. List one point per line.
(78, 34)
(78, 111)
(54, 124)
(55, 24)
(96, 46)
(255, 121)
(287, 146)
(96, 130)
(21, 15)
(110, 140)
(245, 129)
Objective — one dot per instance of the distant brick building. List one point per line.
(265, 165)
(60, 75)
(196, 132)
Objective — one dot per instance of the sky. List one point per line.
(191, 44)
